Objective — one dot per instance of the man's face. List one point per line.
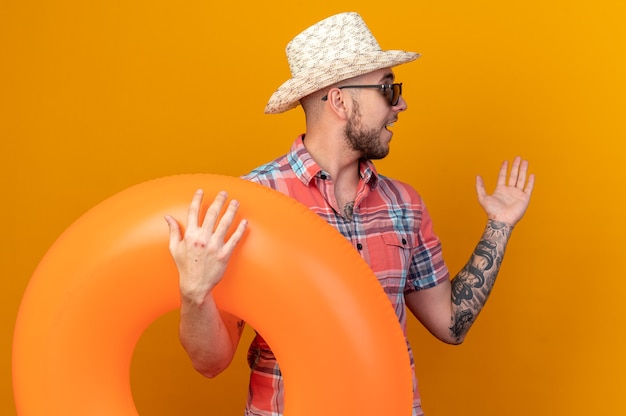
(367, 128)
(367, 141)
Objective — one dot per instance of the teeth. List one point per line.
(390, 125)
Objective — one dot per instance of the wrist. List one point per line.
(500, 222)
(496, 223)
(195, 295)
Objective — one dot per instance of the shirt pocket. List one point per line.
(390, 257)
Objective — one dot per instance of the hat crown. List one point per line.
(343, 35)
(339, 47)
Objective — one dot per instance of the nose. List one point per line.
(401, 106)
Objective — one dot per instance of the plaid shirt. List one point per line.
(390, 228)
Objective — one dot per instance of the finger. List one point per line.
(213, 213)
(236, 236)
(480, 188)
(514, 171)
(530, 185)
(521, 177)
(174, 232)
(227, 219)
(502, 174)
(194, 208)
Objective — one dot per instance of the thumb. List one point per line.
(480, 188)
(174, 230)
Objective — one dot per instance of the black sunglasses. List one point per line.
(391, 91)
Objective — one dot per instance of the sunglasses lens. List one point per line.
(397, 92)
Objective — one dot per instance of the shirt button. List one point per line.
(323, 177)
(359, 246)
(403, 241)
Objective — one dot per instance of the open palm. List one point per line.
(511, 197)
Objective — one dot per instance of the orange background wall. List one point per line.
(96, 96)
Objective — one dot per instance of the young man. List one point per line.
(346, 86)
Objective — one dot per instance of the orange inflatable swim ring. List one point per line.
(110, 275)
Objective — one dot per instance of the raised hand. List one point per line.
(202, 254)
(508, 202)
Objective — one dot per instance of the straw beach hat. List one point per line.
(335, 49)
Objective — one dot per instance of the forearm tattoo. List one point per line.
(472, 286)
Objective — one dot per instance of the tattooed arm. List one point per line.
(472, 286)
(449, 309)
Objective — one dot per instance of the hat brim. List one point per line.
(288, 95)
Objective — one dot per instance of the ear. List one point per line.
(339, 103)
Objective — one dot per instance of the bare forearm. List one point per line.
(472, 286)
(208, 336)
